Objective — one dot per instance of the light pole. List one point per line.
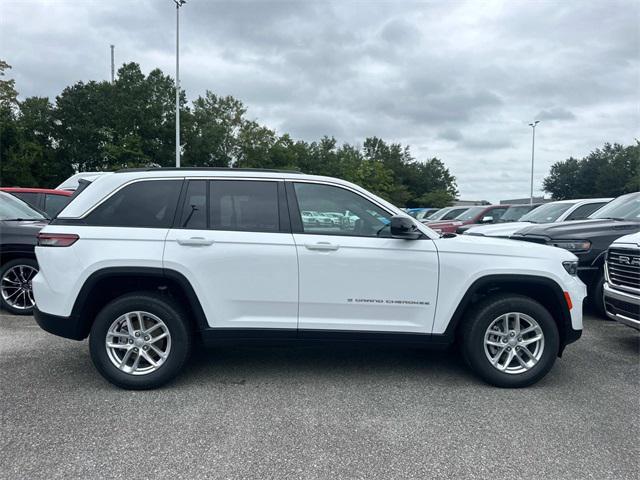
(178, 3)
(533, 150)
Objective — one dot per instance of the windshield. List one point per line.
(514, 213)
(469, 214)
(626, 207)
(12, 208)
(547, 213)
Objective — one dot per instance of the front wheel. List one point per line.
(140, 341)
(510, 341)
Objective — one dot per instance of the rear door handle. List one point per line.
(195, 241)
(325, 246)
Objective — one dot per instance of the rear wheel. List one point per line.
(16, 295)
(510, 341)
(140, 341)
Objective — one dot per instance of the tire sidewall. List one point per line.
(10, 264)
(486, 313)
(168, 312)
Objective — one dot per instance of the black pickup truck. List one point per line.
(589, 239)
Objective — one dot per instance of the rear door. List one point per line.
(353, 275)
(233, 242)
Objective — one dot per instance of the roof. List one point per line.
(205, 169)
(50, 191)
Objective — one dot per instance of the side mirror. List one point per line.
(403, 227)
(487, 219)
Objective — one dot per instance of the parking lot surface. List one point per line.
(326, 411)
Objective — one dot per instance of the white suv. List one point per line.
(145, 261)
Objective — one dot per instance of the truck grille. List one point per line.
(623, 267)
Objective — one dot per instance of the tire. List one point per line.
(17, 302)
(596, 297)
(489, 313)
(111, 324)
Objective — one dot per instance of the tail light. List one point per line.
(57, 239)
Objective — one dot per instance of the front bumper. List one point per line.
(622, 307)
(67, 327)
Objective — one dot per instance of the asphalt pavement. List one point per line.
(319, 412)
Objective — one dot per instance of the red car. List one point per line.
(482, 214)
(44, 199)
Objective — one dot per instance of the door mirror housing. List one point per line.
(403, 227)
(487, 219)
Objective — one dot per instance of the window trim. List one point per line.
(296, 218)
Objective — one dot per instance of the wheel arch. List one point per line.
(108, 283)
(542, 289)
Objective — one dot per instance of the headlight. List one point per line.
(571, 267)
(573, 245)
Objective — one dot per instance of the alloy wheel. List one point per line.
(514, 342)
(15, 287)
(138, 343)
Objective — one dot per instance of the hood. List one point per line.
(581, 228)
(633, 239)
(498, 229)
(465, 244)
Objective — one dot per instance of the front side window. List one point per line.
(29, 197)
(149, 204)
(547, 213)
(329, 210)
(244, 205)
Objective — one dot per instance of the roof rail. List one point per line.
(213, 169)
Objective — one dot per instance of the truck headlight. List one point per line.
(573, 245)
(571, 267)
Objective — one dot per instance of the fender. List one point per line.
(515, 282)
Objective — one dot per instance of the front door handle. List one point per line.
(324, 246)
(195, 241)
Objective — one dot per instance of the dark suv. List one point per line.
(589, 239)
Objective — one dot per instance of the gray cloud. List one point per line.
(457, 80)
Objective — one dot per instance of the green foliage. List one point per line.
(607, 172)
(131, 123)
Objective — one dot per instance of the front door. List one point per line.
(352, 274)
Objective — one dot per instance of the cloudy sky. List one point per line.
(459, 80)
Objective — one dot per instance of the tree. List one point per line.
(607, 172)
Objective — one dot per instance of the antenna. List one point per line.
(112, 64)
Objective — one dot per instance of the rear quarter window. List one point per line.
(148, 203)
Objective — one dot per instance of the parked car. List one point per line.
(589, 239)
(622, 281)
(315, 218)
(481, 214)
(446, 213)
(513, 214)
(72, 182)
(154, 274)
(47, 200)
(19, 226)
(421, 213)
(560, 211)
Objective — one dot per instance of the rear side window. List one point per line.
(149, 204)
(244, 205)
(584, 211)
(28, 197)
(53, 204)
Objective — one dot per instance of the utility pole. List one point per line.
(113, 68)
(178, 3)
(533, 150)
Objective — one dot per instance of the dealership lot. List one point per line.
(326, 411)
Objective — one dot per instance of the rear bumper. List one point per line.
(67, 327)
(622, 307)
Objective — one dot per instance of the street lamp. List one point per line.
(533, 149)
(178, 3)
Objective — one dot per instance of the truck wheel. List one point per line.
(140, 341)
(510, 341)
(16, 295)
